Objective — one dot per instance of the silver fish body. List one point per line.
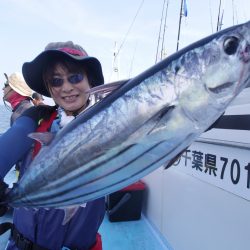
(140, 126)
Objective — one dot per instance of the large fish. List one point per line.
(141, 125)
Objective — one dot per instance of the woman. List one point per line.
(18, 94)
(64, 72)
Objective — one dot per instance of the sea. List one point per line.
(4, 118)
(5, 114)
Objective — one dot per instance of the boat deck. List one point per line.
(131, 235)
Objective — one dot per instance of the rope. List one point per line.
(130, 27)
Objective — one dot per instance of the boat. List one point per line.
(203, 200)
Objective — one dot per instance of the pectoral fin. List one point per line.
(44, 138)
(69, 212)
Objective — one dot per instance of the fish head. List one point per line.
(214, 74)
(229, 74)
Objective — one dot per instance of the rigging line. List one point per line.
(233, 10)
(159, 37)
(211, 19)
(132, 61)
(236, 16)
(130, 27)
(163, 35)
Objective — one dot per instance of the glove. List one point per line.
(3, 188)
(5, 226)
(39, 112)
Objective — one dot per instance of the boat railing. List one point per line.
(224, 143)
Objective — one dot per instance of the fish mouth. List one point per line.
(221, 88)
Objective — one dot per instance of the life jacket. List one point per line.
(44, 126)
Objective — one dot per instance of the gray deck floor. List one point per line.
(129, 235)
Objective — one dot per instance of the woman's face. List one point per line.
(68, 89)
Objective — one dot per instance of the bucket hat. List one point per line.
(33, 71)
(18, 84)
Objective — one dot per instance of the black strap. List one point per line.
(3, 207)
(23, 243)
(4, 227)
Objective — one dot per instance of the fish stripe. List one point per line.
(136, 174)
(101, 163)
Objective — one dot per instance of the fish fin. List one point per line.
(158, 117)
(148, 128)
(44, 138)
(83, 205)
(106, 88)
(69, 212)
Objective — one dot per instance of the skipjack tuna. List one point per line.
(141, 125)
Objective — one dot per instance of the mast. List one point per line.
(218, 19)
(221, 19)
(179, 29)
(159, 36)
(163, 52)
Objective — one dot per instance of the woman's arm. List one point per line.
(15, 143)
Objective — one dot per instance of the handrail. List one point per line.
(233, 144)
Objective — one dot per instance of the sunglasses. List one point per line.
(6, 85)
(73, 79)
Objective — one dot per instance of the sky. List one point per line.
(131, 26)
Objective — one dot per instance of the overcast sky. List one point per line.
(27, 26)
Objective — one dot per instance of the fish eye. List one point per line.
(230, 45)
